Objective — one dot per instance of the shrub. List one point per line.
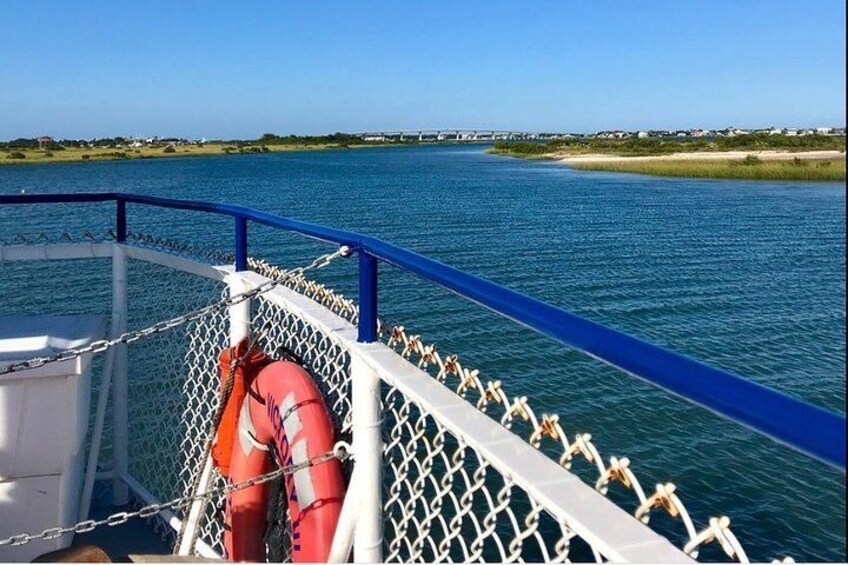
(86, 157)
(751, 160)
(15, 155)
(169, 149)
(799, 162)
(823, 165)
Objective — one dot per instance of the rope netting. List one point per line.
(443, 500)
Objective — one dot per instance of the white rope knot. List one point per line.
(717, 530)
(663, 497)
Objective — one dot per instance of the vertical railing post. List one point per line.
(121, 220)
(367, 424)
(120, 437)
(367, 297)
(241, 243)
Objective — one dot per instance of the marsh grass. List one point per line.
(749, 168)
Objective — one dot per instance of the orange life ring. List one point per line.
(284, 407)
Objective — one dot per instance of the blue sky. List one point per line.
(239, 69)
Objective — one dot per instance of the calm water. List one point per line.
(748, 276)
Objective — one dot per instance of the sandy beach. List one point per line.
(706, 156)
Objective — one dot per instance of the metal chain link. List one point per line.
(339, 452)
(132, 336)
(415, 514)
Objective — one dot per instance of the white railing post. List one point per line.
(346, 527)
(120, 438)
(239, 313)
(239, 322)
(96, 435)
(368, 460)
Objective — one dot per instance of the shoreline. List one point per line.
(107, 154)
(819, 165)
(766, 155)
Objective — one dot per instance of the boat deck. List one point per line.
(119, 542)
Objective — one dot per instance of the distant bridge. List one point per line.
(455, 134)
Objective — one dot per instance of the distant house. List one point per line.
(45, 141)
(791, 132)
(642, 134)
(824, 131)
(615, 134)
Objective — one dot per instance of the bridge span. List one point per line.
(456, 134)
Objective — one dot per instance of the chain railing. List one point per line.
(490, 397)
(443, 500)
(181, 502)
(168, 428)
(100, 346)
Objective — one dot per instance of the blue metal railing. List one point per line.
(802, 426)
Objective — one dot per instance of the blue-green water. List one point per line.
(747, 276)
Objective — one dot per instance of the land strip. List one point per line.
(21, 156)
(820, 158)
